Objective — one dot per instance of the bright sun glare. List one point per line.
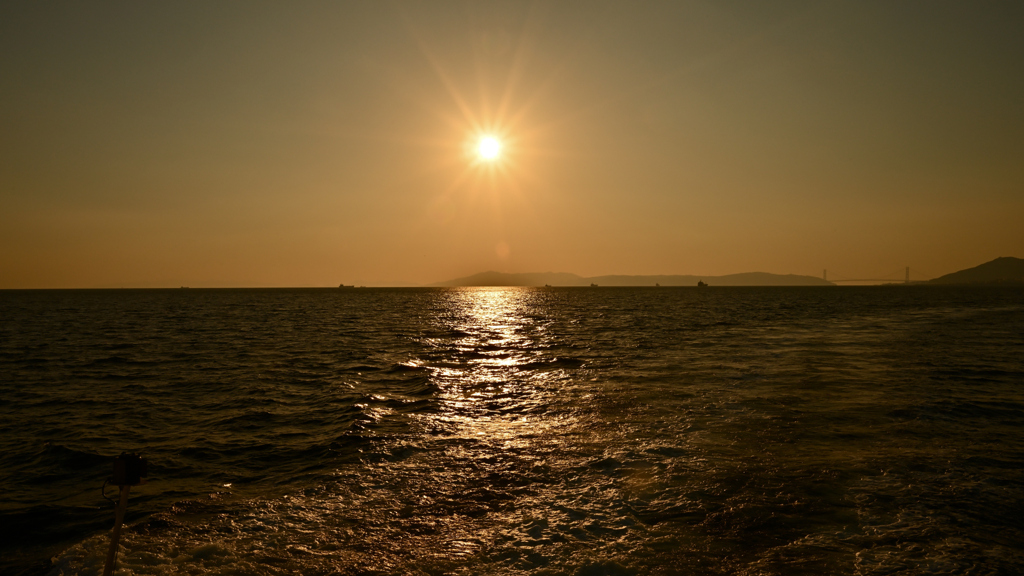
(489, 148)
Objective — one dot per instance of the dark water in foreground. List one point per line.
(554, 431)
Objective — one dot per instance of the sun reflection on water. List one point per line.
(494, 374)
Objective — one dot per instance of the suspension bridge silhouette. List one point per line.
(897, 276)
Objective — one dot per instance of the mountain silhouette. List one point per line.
(1006, 270)
(492, 278)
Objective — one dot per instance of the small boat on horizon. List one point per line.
(592, 285)
(701, 284)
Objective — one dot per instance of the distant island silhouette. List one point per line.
(566, 279)
(1004, 270)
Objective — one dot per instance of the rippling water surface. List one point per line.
(545, 431)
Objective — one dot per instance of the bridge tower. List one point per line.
(908, 275)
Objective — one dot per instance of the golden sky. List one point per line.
(312, 144)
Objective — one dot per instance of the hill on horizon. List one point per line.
(492, 278)
(1005, 269)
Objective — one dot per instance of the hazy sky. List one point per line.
(309, 144)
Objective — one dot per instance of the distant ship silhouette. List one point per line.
(701, 284)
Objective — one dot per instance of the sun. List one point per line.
(489, 148)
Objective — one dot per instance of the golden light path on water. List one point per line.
(492, 392)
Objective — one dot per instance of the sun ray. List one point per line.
(446, 81)
(500, 131)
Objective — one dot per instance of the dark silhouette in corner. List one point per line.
(1004, 270)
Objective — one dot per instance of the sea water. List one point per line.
(582, 431)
